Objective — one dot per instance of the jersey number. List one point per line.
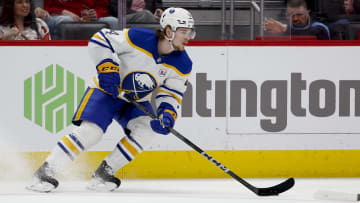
(112, 32)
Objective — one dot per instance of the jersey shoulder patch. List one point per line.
(143, 39)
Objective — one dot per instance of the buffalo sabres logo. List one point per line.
(144, 81)
(139, 84)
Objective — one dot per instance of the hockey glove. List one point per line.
(109, 78)
(167, 116)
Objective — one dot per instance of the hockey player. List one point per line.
(135, 61)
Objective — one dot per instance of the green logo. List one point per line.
(51, 97)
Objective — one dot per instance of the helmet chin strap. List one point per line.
(171, 41)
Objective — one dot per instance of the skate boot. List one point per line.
(104, 179)
(43, 180)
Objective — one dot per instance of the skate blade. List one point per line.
(101, 186)
(41, 187)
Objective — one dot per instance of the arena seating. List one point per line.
(79, 30)
(285, 38)
(354, 30)
(208, 19)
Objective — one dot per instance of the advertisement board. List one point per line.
(260, 99)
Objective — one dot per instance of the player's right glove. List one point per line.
(108, 75)
(167, 116)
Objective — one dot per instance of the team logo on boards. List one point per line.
(51, 97)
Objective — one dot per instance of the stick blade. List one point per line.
(277, 189)
(334, 195)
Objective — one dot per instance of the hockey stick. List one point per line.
(269, 191)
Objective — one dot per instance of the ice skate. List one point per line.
(103, 179)
(43, 180)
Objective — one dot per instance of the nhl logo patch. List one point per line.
(162, 72)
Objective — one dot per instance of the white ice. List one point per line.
(179, 191)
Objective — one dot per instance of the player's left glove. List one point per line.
(167, 116)
(109, 78)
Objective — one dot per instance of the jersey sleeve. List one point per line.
(107, 45)
(172, 91)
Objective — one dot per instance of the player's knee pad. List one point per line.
(141, 130)
(87, 134)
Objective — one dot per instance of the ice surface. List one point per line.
(178, 191)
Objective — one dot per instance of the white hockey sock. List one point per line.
(71, 146)
(66, 150)
(125, 151)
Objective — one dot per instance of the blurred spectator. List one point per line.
(333, 10)
(299, 22)
(356, 5)
(139, 11)
(337, 14)
(58, 11)
(18, 22)
(336, 9)
(153, 5)
(1, 6)
(352, 7)
(349, 6)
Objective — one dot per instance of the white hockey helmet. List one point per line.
(177, 18)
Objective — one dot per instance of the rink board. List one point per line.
(189, 164)
(267, 109)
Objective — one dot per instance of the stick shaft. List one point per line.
(195, 147)
(269, 191)
(210, 158)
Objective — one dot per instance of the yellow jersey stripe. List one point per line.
(98, 37)
(172, 94)
(83, 104)
(175, 69)
(70, 145)
(136, 47)
(129, 147)
(172, 113)
(108, 67)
